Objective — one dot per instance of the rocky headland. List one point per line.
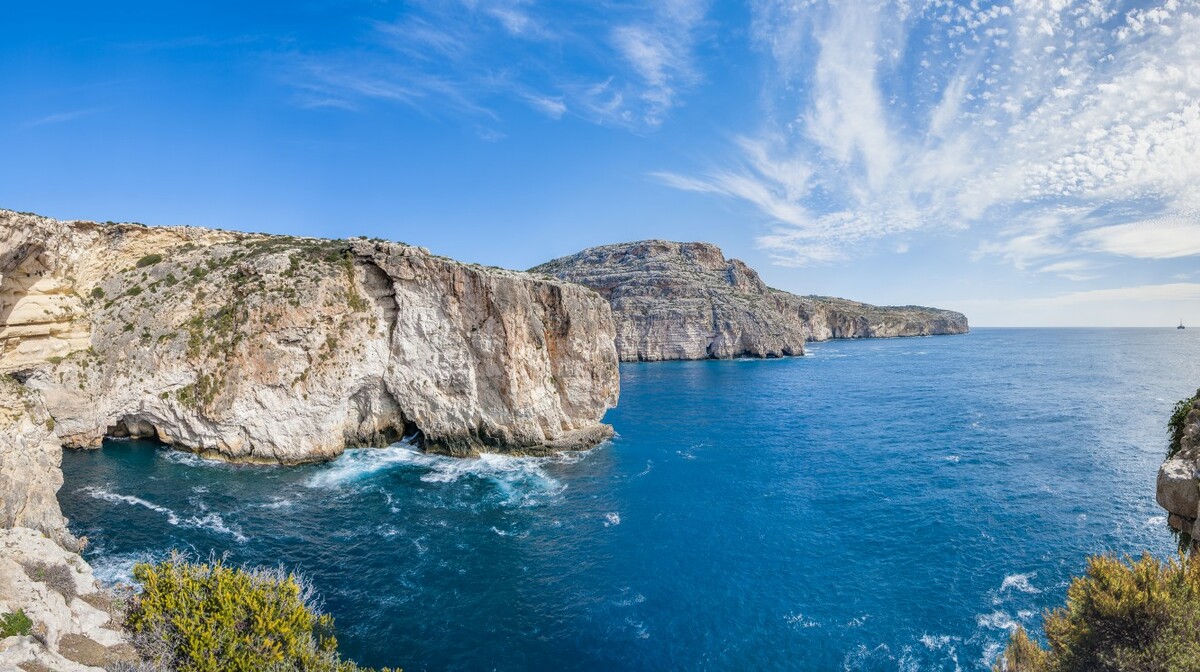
(257, 348)
(1178, 487)
(687, 301)
(278, 349)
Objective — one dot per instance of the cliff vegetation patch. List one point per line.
(15, 624)
(211, 617)
(1121, 615)
(1178, 423)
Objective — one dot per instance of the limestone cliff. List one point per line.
(687, 301)
(1178, 488)
(279, 349)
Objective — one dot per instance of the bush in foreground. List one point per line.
(210, 617)
(1121, 616)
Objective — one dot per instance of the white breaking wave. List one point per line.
(213, 521)
(520, 479)
(101, 493)
(997, 620)
(110, 570)
(1019, 582)
(210, 520)
(612, 519)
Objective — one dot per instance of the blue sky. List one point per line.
(1028, 163)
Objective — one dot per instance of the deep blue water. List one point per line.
(878, 505)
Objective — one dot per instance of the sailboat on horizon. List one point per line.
(1181, 325)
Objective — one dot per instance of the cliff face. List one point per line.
(1178, 487)
(687, 301)
(279, 349)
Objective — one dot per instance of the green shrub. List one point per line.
(1178, 421)
(209, 617)
(149, 260)
(16, 623)
(1122, 615)
(98, 293)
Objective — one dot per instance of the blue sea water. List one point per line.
(877, 505)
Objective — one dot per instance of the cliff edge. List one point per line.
(1178, 486)
(280, 349)
(687, 301)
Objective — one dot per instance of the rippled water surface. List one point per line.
(878, 505)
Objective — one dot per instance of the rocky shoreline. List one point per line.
(687, 301)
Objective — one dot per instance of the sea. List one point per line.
(897, 504)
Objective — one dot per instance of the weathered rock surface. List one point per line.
(687, 301)
(30, 457)
(279, 349)
(73, 629)
(1178, 487)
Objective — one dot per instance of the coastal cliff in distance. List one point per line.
(687, 301)
(277, 349)
(1178, 486)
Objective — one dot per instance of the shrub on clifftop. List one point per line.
(1178, 423)
(209, 617)
(1121, 616)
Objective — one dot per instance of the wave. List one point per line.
(801, 621)
(521, 481)
(212, 521)
(357, 464)
(612, 519)
(1019, 582)
(117, 568)
(997, 620)
(105, 495)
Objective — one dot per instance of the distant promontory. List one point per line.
(687, 301)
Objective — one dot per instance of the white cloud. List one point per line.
(1158, 305)
(1029, 120)
(1161, 238)
(550, 106)
(622, 65)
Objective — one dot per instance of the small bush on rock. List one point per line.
(149, 260)
(1178, 423)
(210, 617)
(56, 577)
(1121, 616)
(15, 624)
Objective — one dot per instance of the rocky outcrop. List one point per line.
(30, 457)
(279, 349)
(1178, 487)
(73, 626)
(687, 301)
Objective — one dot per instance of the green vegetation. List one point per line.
(149, 260)
(1177, 422)
(15, 624)
(210, 617)
(1122, 615)
(98, 293)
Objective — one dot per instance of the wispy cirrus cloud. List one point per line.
(60, 117)
(1032, 122)
(608, 63)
